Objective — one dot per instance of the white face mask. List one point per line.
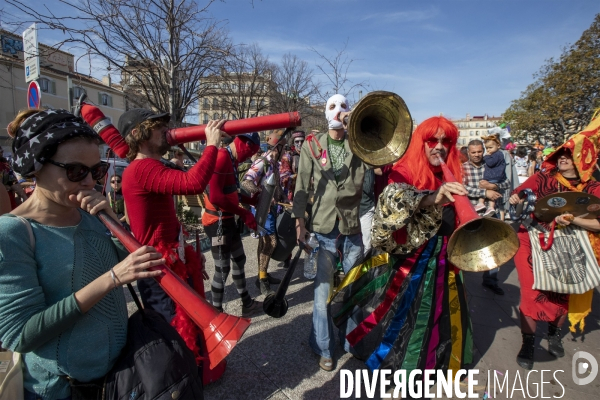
(340, 105)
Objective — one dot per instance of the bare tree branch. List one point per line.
(162, 48)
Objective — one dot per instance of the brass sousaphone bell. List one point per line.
(379, 128)
(478, 243)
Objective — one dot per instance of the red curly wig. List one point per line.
(414, 167)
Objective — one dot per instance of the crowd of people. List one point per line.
(406, 310)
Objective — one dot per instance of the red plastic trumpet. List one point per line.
(478, 243)
(236, 127)
(221, 331)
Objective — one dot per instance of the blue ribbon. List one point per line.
(375, 360)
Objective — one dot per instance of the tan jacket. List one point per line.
(332, 200)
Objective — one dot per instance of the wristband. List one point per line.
(114, 278)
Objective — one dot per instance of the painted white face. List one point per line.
(335, 105)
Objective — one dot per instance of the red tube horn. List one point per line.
(478, 243)
(236, 127)
(221, 331)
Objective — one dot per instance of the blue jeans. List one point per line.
(322, 339)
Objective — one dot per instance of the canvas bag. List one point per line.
(568, 266)
(11, 376)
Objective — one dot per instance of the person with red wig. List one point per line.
(409, 308)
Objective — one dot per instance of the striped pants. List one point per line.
(231, 250)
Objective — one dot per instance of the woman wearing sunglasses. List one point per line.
(61, 304)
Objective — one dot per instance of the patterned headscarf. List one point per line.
(584, 149)
(298, 134)
(38, 137)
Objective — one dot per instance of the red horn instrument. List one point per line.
(236, 127)
(221, 331)
(478, 243)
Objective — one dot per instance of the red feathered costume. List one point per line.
(148, 190)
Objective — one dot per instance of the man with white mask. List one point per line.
(337, 176)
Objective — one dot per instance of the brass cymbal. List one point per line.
(579, 204)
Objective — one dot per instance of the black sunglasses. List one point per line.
(78, 172)
(119, 181)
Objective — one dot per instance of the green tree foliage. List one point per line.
(564, 96)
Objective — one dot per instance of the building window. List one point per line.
(206, 118)
(471, 133)
(77, 92)
(242, 86)
(476, 124)
(477, 133)
(252, 103)
(47, 85)
(205, 104)
(233, 86)
(105, 99)
(262, 103)
(215, 103)
(216, 116)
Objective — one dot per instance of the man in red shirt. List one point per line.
(222, 202)
(148, 187)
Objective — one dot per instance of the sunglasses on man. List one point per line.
(77, 172)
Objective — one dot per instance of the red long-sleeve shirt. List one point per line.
(223, 181)
(148, 189)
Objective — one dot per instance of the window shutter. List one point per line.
(53, 89)
(110, 101)
(99, 98)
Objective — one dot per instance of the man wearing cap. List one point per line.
(149, 185)
(222, 201)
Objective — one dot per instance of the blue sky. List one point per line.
(452, 57)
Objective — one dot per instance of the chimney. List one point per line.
(106, 80)
(468, 117)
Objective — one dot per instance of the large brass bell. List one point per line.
(379, 128)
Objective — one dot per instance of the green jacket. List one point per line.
(332, 200)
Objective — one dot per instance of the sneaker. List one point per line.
(265, 286)
(272, 280)
(252, 310)
(489, 212)
(326, 364)
(479, 207)
(494, 288)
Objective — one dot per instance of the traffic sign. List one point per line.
(34, 95)
(31, 54)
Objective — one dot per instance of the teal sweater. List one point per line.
(38, 313)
